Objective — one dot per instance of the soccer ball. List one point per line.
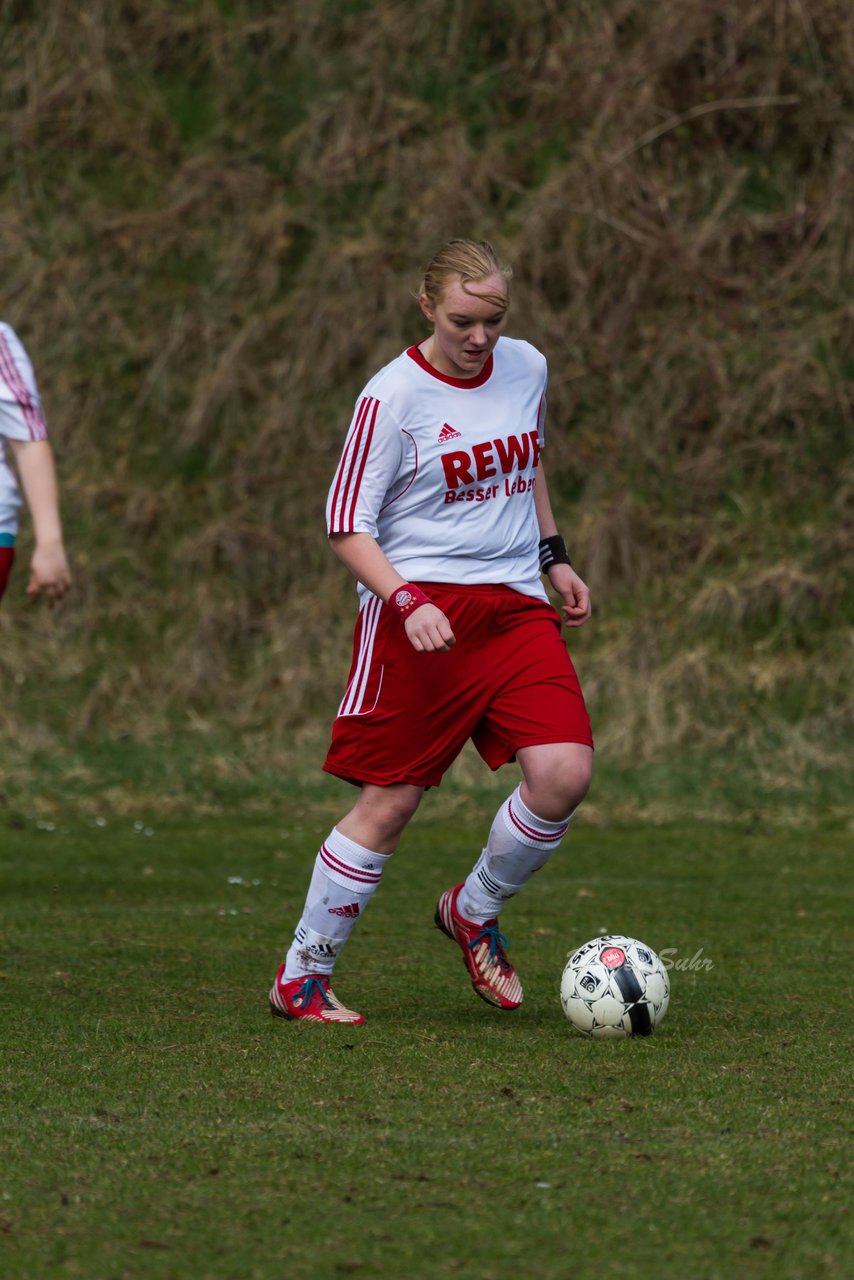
(614, 987)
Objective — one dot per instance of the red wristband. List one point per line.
(407, 599)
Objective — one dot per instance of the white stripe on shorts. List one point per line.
(353, 700)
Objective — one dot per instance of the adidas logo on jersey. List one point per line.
(448, 433)
(350, 911)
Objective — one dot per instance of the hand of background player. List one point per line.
(576, 595)
(49, 572)
(428, 629)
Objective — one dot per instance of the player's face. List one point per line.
(467, 323)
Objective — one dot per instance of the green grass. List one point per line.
(157, 1122)
(240, 199)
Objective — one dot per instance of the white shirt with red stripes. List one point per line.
(21, 418)
(441, 471)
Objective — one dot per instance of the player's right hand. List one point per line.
(49, 572)
(428, 629)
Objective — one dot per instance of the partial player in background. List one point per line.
(439, 509)
(23, 433)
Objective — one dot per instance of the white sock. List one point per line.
(519, 844)
(344, 880)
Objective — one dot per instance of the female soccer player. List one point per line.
(439, 509)
(22, 426)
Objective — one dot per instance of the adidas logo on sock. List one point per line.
(448, 433)
(350, 911)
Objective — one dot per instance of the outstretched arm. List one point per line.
(49, 566)
(427, 627)
(564, 579)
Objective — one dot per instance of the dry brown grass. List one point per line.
(214, 222)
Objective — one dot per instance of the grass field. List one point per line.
(158, 1123)
(214, 219)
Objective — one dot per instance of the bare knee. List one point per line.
(380, 815)
(556, 778)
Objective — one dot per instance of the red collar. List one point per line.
(463, 383)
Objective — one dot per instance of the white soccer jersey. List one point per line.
(441, 471)
(21, 418)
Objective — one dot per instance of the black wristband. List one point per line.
(553, 551)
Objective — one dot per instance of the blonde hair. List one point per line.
(468, 260)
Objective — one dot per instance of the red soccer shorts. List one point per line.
(7, 559)
(507, 683)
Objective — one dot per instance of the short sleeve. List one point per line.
(369, 465)
(21, 416)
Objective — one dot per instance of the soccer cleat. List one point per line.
(309, 998)
(492, 975)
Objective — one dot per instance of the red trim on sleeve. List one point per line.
(351, 468)
(352, 520)
(14, 379)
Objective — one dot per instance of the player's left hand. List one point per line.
(575, 592)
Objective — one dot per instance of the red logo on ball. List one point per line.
(613, 957)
